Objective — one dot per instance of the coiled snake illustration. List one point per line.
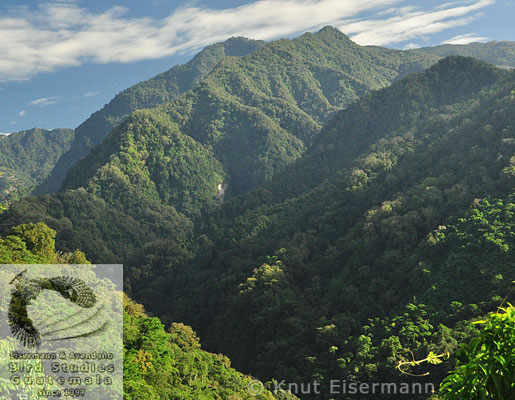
(27, 290)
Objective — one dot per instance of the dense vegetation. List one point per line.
(391, 244)
(157, 363)
(350, 240)
(248, 119)
(486, 368)
(170, 364)
(147, 158)
(34, 244)
(27, 157)
(150, 93)
(104, 232)
(339, 88)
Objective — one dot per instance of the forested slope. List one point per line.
(247, 120)
(406, 235)
(158, 363)
(27, 157)
(170, 364)
(361, 235)
(150, 93)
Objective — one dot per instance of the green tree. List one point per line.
(39, 238)
(486, 366)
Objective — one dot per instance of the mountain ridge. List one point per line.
(95, 128)
(284, 91)
(150, 93)
(499, 53)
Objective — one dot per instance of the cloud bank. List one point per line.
(409, 23)
(62, 34)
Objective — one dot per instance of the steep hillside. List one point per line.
(147, 158)
(27, 157)
(397, 109)
(104, 232)
(501, 54)
(404, 237)
(157, 363)
(151, 93)
(171, 364)
(249, 118)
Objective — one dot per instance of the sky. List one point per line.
(62, 60)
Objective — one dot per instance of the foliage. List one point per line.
(486, 366)
(386, 232)
(104, 232)
(170, 364)
(157, 364)
(395, 231)
(35, 244)
(147, 158)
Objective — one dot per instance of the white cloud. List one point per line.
(465, 39)
(90, 94)
(12, 122)
(409, 24)
(44, 101)
(63, 34)
(411, 46)
(22, 113)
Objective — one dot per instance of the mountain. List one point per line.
(150, 93)
(248, 119)
(355, 233)
(147, 159)
(401, 236)
(501, 54)
(400, 106)
(179, 79)
(27, 157)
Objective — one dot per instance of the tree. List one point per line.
(486, 366)
(40, 239)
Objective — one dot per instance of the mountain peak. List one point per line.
(329, 31)
(460, 62)
(242, 39)
(463, 68)
(329, 28)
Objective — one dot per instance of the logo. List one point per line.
(255, 388)
(25, 293)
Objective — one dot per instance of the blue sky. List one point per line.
(61, 60)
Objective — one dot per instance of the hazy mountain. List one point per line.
(27, 157)
(501, 54)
